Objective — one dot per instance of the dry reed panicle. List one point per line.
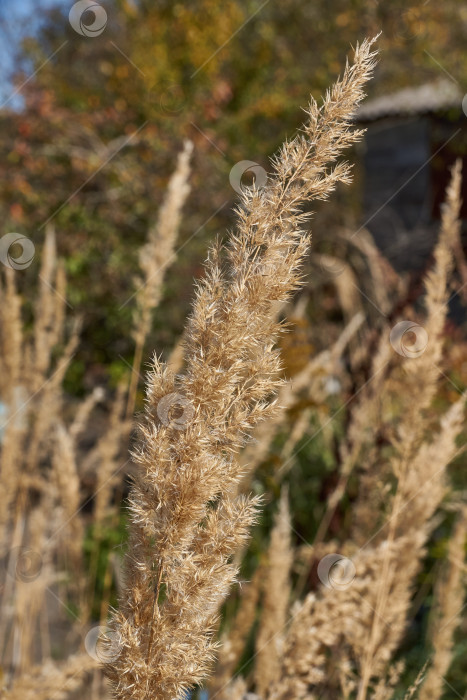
(14, 428)
(409, 465)
(65, 472)
(423, 374)
(447, 613)
(31, 380)
(52, 682)
(233, 642)
(154, 258)
(11, 336)
(105, 457)
(346, 284)
(37, 445)
(236, 689)
(418, 467)
(275, 600)
(369, 417)
(83, 412)
(42, 373)
(363, 622)
(33, 363)
(22, 629)
(186, 519)
(327, 366)
(357, 448)
(416, 684)
(386, 285)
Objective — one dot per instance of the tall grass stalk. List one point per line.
(187, 520)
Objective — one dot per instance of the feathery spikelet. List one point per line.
(48, 307)
(155, 257)
(275, 600)
(450, 599)
(186, 519)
